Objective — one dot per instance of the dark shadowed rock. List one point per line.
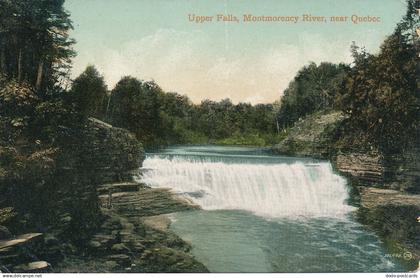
(38, 266)
(4, 233)
(309, 136)
(121, 259)
(120, 248)
(362, 168)
(20, 240)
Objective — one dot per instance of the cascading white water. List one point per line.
(268, 190)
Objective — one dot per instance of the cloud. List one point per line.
(184, 62)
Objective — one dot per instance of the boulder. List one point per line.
(38, 266)
(111, 265)
(20, 240)
(121, 259)
(119, 248)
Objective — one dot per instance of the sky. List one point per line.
(244, 61)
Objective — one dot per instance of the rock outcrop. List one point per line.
(94, 217)
(66, 208)
(376, 197)
(128, 239)
(16, 253)
(394, 216)
(310, 136)
(387, 186)
(362, 168)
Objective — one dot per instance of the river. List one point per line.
(265, 213)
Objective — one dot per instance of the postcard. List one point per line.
(209, 136)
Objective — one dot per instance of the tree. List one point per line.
(380, 94)
(89, 93)
(135, 105)
(34, 42)
(313, 89)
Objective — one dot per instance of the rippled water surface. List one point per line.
(264, 213)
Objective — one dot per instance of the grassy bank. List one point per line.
(262, 140)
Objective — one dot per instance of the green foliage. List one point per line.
(380, 94)
(89, 93)
(313, 89)
(34, 42)
(158, 118)
(16, 109)
(135, 105)
(6, 214)
(252, 139)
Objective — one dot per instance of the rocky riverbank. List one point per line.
(91, 216)
(384, 187)
(309, 136)
(134, 235)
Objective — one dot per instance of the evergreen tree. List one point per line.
(34, 42)
(381, 93)
(89, 93)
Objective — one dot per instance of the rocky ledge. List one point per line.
(394, 216)
(92, 216)
(387, 187)
(134, 235)
(375, 197)
(309, 136)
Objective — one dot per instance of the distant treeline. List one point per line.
(379, 94)
(159, 118)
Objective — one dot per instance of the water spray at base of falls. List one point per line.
(269, 190)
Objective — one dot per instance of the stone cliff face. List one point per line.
(309, 136)
(387, 204)
(115, 152)
(405, 170)
(93, 217)
(65, 211)
(387, 187)
(393, 215)
(362, 168)
(97, 155)
(399, 171)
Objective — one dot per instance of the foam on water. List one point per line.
(274, 190)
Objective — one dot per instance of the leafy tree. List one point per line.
(159, 118)
(313, 89)
(89, 93)
(135, 105)
(380, 94)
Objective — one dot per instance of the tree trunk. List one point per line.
(40, 74)
(19, 74)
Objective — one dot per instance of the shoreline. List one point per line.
(369, 177)
(135, 235)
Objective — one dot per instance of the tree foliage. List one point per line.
(380, 95)
(35, 118)
(135, 105)
(34, 42)
(89, 93)
(159, 118)
(314, 88)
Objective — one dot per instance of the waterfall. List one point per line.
(277, 190)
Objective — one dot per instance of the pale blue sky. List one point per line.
(153, 39)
